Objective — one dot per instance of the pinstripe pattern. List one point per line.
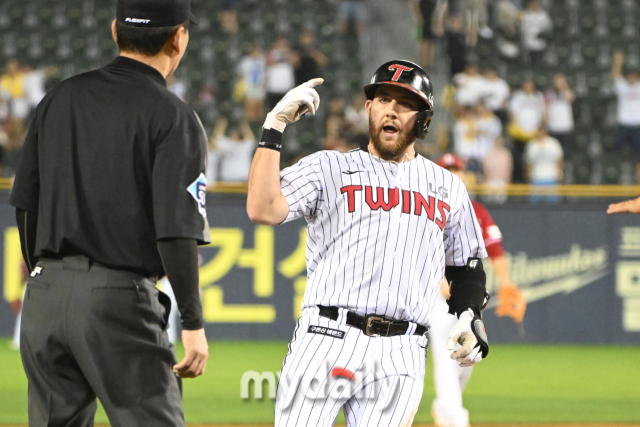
(389, 260)
(386, 386)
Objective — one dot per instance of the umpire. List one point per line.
(109, 196)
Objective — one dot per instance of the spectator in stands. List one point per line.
(456, 44)
(428, 14)
(535, 27)
(280, 73)
(507, 17)
(335, 124)
(496, 95)
(352, 11)
(488, 129)
(12, 92)
(526, 114)
(544, 162)
(627, 89)
(466, 144)
(357, 121)
(470, 86)
(213, 159)
(308, 60)
(497, 168)
(252, 75)
(560, 124)
(177, 86)
(228, 16)
(206, 97)
(34, 83)
(475, 20)
(235, 150)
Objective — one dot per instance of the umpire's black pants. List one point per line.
(89, 331)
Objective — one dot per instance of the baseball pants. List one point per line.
(330, 365)
(90, 331)
(450, 379)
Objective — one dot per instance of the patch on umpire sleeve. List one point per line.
(334, 333)
(198, 190)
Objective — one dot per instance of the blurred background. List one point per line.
(539, 98)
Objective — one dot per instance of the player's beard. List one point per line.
(389, 150)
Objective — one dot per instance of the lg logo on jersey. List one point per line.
(374, 197)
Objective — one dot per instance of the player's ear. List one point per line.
(114, 33)
(367, 106)
(177, 44)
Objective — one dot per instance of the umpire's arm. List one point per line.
(25, 195)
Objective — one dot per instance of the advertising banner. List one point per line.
(578, 268)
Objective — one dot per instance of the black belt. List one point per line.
(372, 324)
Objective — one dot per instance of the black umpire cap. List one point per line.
(155, 13)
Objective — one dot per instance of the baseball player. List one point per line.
(383, 229)
(450, 378)
(110, 195)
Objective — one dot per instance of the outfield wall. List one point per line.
(578, 267)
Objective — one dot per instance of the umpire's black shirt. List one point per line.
(113, 161)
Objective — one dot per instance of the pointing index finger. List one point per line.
(313, 82)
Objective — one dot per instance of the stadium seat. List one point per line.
(582, 169)
(610, 163)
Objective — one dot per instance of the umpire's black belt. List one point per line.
(372, 324)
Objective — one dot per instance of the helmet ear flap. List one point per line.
(423, 120)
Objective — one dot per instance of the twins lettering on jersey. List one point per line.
(375, 199)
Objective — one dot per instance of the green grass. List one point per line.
(516, 384)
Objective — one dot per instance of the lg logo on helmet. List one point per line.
(398, 71)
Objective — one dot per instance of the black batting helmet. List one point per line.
(412, 77)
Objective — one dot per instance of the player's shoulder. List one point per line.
(332, 156)
(440, 173)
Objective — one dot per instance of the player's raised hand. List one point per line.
(296, 102)
(470, 334)
(196, 353)
(632, 206)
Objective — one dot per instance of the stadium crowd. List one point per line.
(505, 134)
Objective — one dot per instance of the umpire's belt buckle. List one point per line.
(370, 320)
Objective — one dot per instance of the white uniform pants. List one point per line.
(330, 365)
(450, 379)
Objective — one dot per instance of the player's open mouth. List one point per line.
(389, 130)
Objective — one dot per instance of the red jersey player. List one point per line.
(451, 379)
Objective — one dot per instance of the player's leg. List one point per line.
(391, 401)
(393, 390)
(121, 344)
(447, 408)
(320, 372)
(59, 394)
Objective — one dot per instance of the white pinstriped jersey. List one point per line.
(379, 233)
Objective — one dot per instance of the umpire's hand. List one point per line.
(196, 353)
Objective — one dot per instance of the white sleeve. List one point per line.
(620, 85)
(528, 153)
(463, 233)
(513, 103)
(558, 153)
(302, 186)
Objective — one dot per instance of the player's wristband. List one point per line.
(271, 139)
